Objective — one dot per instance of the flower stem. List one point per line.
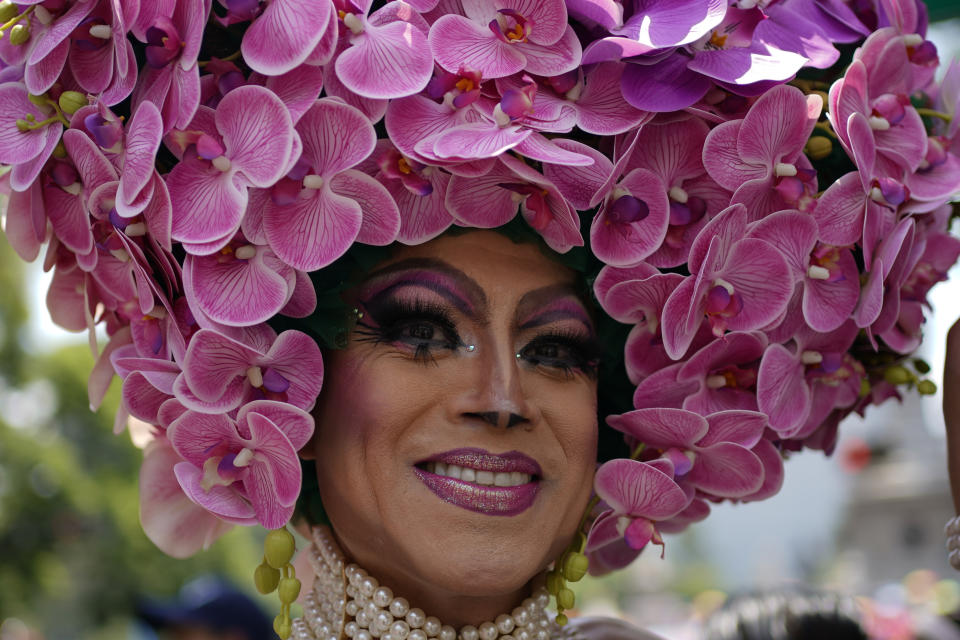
(933, 113)
(9, 23)
(230, 58)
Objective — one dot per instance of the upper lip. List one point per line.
(483, 460)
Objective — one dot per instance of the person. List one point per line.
(439, 248)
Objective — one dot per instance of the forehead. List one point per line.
(500, 266)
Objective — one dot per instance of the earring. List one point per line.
(471, 348)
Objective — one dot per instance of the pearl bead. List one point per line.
(363, 619)
(543, 599)
(543, 634)
(469, 632)
(520, 616)
(368, 585)
(504, 623)
(383, 596)
(432, 626)
(351, 628)
(383, 619)
(399, 630)
(417, 634)
(523, 634)
(488, 631)
(399, 607)
(507, 637)
(447, 633)
(363, 634)
(386, 636)
(415, 618)
(352, 608)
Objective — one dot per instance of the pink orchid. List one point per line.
(220, 373)
(283, 33)
(788, 376)
(719, 376)
(101, 57)
(760, 158)
(244, 283)
(178, 526)
(827, 274)
(172, 31)
(639, 494)
(219, 79)
(222, 157)
(28, 134)
(738, 283)
(673, 151)
(710, 454)
(387, 55)
(502, 37)
(510, 185)
(323, 205)
(45, 52)
(244, 469)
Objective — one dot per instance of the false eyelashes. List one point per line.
(427, 328)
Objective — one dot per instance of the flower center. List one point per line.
(510, 26)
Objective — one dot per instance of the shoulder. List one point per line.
(605, 629)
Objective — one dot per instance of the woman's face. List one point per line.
(457, 431)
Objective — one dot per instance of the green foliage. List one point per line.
(73, 558)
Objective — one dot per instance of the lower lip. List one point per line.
(491, 501)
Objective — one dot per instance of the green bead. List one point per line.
(566, 599)
(561, 619)
(8, 11)
(896, 375)
(575, 566)
(288, 590)
(926, 387)
(921, 366)
(554, 583)
(278, 548)
(19, 34)
(71, 101)
(266, 578)
(282, 626)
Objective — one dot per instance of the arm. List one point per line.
(951, 410)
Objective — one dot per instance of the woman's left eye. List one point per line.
(564, 353)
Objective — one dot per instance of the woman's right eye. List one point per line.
(425, 328)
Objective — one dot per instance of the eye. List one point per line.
(422, 327)
(565, 353)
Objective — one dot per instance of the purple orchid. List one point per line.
(760, 158)
(28, 134)
(172, 31)
(510, 185)
(244, 469)
(710, 454)
(790, 376)
(639, 494)
(101, 57)
(220, 373)
(719, 376)
(738, 283)
(499, 38)
(178, 526)
(283, 33)
(387, 54)
(222, 157)
(323, 204)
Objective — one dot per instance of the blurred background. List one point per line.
(74, 563)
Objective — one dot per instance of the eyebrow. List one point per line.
(553, 302)
(422, 272)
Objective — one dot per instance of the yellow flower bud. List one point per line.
(561, 619)
(575, 566)
(921, 366)
(927, 387)
(864, 388)
(8, 11)
(60, 151)
(71, 101)
(266, 578)
(278, 548)
(897, 375)
(554, 583)
(282, 626)
(19, 34)
(288, 590)
(566, 599)
(818, 147)
(40, 100)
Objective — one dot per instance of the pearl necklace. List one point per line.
(346, 602)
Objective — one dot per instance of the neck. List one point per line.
(369, 602)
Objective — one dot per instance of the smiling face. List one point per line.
(457, 430)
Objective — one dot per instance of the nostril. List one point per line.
(490, 417)
(498, 418)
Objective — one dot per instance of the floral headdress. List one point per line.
(767, 184)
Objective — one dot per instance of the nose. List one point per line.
(493, 392)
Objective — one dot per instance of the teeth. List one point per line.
(486, 478)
